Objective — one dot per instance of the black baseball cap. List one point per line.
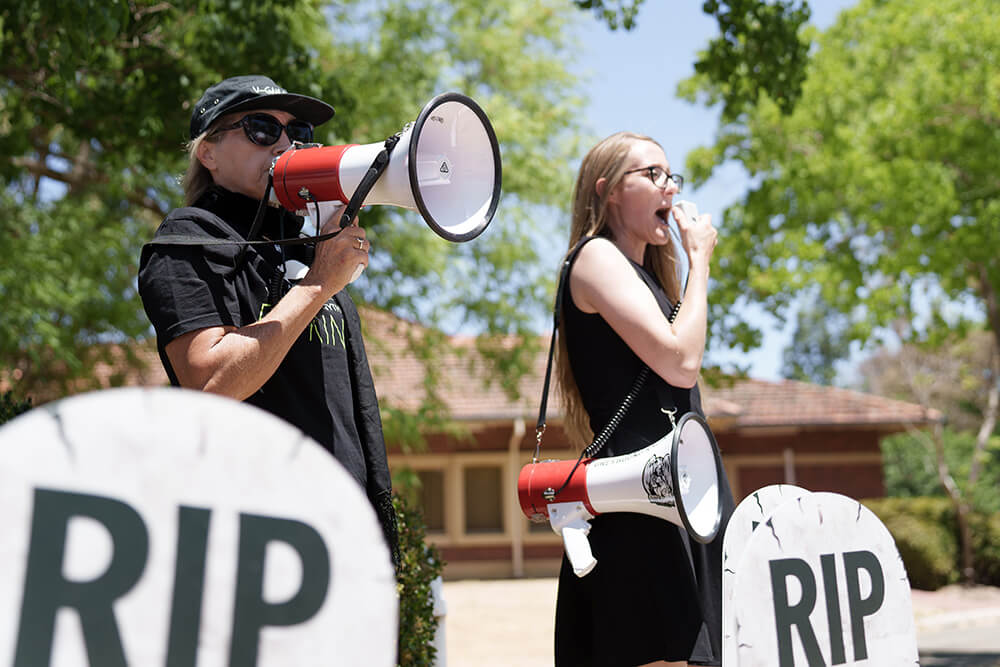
(244, 93)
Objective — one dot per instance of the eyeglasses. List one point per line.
(660, 178)
(265, 130)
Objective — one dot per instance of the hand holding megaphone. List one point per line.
(696, 231)
(339, 260)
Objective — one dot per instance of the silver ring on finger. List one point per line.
(361, 244)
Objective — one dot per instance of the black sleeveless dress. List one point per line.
(654, 594)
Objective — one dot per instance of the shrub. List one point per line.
(926, 536)
(420, 564)
(11, 407)
(985, 531)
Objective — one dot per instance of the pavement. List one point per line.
(505, 623)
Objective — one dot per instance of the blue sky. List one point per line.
(632, 77)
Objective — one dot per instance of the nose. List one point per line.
(282, 144)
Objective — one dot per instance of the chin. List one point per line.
(662, 237)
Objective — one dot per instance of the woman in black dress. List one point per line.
(655, 596)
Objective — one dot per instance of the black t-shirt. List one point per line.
(187, 287)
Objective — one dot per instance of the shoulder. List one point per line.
(179, 240)
(599, 272)
(192, 220)
(600, 260)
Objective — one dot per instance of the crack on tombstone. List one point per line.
(770, 524)
(64, 438)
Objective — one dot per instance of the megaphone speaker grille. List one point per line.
(454, 163)
(696, 478)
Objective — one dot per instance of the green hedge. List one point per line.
(986, 547)
(926, 535)
(11, 407)
(420, 564)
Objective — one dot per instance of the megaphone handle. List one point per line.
(577, 547)
(379, 164)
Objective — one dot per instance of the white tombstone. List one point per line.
(171, 527)
(820, 583)
(752, 511)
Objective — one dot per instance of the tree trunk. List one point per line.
(961, 507)
(989, 419)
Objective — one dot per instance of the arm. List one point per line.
(236, 362)
(602, 281)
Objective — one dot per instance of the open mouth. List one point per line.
(663, 214)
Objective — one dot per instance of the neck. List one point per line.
(631, 247)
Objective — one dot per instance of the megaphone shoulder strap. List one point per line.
(609, 428)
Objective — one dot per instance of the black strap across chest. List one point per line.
(609, 428)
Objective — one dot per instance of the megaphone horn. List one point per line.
(446, 165)
(675, 478)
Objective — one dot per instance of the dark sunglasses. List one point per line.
(265, 130)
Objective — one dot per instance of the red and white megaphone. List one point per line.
(675, 478)
(446, 165)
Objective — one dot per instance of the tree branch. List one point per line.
(78, 177)
(989, 419)
(989, 295)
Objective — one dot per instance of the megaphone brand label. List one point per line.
(656, 481)
(444, 168)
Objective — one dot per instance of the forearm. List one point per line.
(236, 362)
(690, 326)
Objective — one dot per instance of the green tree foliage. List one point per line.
(10, 406)
(959, 378)
(910, 469)
(760, 48)
(94, 112)
(880, 188)
(817, 344)
(616, 13)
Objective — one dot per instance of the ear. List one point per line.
(601, 186)
(206, 155)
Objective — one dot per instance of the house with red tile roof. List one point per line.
(819, 438)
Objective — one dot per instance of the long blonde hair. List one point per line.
(590, 218)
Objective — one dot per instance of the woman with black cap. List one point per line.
(227, 318)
